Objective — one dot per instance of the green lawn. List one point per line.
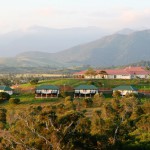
(104, 82)
(71, 82)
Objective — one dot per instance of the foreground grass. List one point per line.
(28, 99)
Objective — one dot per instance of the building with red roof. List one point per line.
(125, 73)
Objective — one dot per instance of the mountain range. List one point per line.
(46, 39)
(112, 50)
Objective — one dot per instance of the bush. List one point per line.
(34, 81)
(4, 96)
(14, 100)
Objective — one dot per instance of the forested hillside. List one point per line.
(77, 124)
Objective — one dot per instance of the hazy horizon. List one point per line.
(58, 25)
(108, 15)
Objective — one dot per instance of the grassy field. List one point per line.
(99, 82)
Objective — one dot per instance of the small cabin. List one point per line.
(85, 91)
(6, 89)
(126, 89)
(46, 91)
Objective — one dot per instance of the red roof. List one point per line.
(125, 71)
(130, 68)
(117, 72)
(137, 70)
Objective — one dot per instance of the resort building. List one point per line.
(126, 89)
(124, 73)
(85, 91)
(46, 91)
(6, 89)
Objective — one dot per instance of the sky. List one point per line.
(105, 14)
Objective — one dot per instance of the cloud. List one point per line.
(48, 11)
(113, 18)
(118, 18)
(136, 18)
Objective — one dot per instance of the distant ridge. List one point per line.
(113, 50)
(126, 31)
(46, 39)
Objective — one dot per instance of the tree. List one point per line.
(34, 81)
(5, 81)
(116, 94)
(2, 118)
(122, 123)
(98, 99)
(87, 102)
(98, 124)
(103, 73)
(90, 72)
(46, 130)
(4, 96)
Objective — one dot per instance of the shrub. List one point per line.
(4, 96)
(14, 100)
(34, 81)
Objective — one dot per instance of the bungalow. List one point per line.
(46, 91)
(125, 89)
(6, 89)
(85, 91)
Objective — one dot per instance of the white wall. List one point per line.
(9, 92)
(86, 91)
(124, 92)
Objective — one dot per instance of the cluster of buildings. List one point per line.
(49, 91)
(125, 73)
